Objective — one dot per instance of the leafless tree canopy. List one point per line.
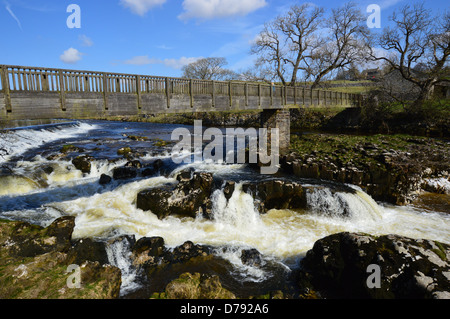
(418, 47)
(303, 43)
(209, 69)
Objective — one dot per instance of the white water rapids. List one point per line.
(108, 211)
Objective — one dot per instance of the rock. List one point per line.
(228, 189)
(124, 173)
(162, 265)
(71, 148)
(411, 269)
(134, 163)
(83, 163)
(195, 286)
(124, 151)
(35, 263)
(153, 169)
(186, 199)
(277, 194)
(88, 250)
(26, 240)
(437, 185)
(105, 179)
(251, 257)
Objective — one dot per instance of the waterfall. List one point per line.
(355, 204)
(119, 255)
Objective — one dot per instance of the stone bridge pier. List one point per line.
(280, 119)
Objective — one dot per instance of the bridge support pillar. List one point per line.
(280, 119)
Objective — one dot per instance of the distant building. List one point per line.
(372, 74)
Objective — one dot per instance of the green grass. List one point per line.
(352, 89)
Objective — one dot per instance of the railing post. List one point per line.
(213, 93)
(230, 93)
(191, 92)
(168, 92)
(105, 91)
(5, 86)
(62, 90)
(138, 91)
(295, 95)
(260, 94)
(246, 93)
(272, 88)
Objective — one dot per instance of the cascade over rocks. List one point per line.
(276, 194)
(187, 198)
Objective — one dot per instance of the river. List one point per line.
(38, 186)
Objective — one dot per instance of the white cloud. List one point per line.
(210, 9)
(179, 63)
(71, 56)
(172, 63)
(85, 41)
(141, 7)
(141, 60)
(8, 8)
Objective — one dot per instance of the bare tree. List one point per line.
(300, 26)
(209, 69)
(418, 46)
(302, 41)
(344, 47)
(271, 49)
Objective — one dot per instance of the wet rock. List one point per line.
(185, 199)
(277, 194)
(251, 257)
(124, 173)
(124, 151)
(71, 148)
(134, 163)
(105, 179)
(228, 189)
(153, 168)
(83, 163)
(409, 268)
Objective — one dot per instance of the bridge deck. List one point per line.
(44, 93)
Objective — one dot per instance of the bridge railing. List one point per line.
(36, 79)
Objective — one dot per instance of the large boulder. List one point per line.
(345, 266)
(161, 265)
(195, 286)
(277, 194)
(26, 240)
(186, 199)
(38, 263)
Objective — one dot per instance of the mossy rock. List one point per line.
(195, 286)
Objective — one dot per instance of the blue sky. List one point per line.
(155, 37)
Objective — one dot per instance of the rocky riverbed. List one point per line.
(35, 261)
(390, 168)
(112, 203)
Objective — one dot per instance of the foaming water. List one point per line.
(14, 143)
(33, 192)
